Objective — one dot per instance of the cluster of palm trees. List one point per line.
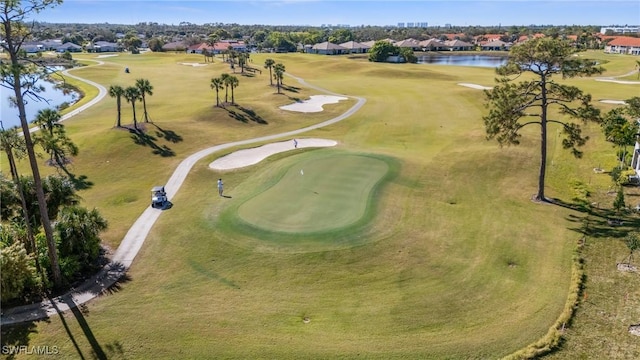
(225, 81)
(132, 94)
(276, 71)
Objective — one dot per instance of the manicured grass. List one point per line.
(456, 262)
(316, 195)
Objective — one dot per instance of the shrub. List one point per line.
(19, 274)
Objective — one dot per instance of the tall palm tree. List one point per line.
(224, 77)
(279, 70)
(233, 83)
(217, 84)
(211, 41)
(132, 94)
(53, 137)
(268, 64)
(145, 88)
(117, 91)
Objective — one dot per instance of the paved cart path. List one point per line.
(135, 237)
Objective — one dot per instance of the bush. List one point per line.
(18, 271)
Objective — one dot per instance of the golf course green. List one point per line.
(317, 195)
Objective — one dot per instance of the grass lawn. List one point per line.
(452, 261)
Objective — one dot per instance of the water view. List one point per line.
(463, 60)
(53, 96)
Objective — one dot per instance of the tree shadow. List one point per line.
(169, 135)
(144, 139)
(245, 115)
(15, 336)
(80, 182)
(599, 223)
(290, 88)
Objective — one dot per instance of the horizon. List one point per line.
(353, 13)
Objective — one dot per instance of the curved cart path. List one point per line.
(133, 240)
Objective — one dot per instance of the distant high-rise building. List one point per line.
(424, 24)
(401, 25)
(448, 26)
(410, 24)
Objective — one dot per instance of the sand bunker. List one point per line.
(475, 86)
(247, 157)
(106, 56)
(618, 81)
(619, 102)
(314, 104)
(193, 64)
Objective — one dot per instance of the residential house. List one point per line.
(103, 46)
(328, 48)
(174, 46)
(354, 47)
(433, 45)
(495, 45)
(51, 45)
(70, 47)
(32, 47)
(459, 45)
(623, 45)
(409, 43)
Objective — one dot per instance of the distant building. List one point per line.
(621, 29)
(401, 25)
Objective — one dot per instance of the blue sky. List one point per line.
(355, 12)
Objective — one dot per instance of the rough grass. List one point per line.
(458, 264)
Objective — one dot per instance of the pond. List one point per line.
(54, 96)
(463, 60)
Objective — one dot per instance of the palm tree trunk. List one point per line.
(270, 77)
(118, 102)
(144, 106)
(232, 98)
(33, 162)
(135, 120)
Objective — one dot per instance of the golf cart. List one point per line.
(158, 197)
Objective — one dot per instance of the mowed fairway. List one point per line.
(438, 253)
(316, 195)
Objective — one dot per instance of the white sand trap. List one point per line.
(314, 104)
(247, 157)
(619, 81)
(193, 64)
(619, 102)
(106, 56)
(476, 86)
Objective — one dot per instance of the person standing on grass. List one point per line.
(220, 187)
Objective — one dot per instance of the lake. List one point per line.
(463, 60)
(55, 97)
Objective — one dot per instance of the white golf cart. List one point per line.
(158, 197)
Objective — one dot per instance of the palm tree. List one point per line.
(268, 64)
(278, 69)
(217, 84)
(233, 83)
(145, 88)
(132, 94)
(211, 41)
(117, 91)
(224, 77)
(53, 137)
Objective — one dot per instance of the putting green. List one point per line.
(318, 194)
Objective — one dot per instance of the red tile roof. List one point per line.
(625, 41)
